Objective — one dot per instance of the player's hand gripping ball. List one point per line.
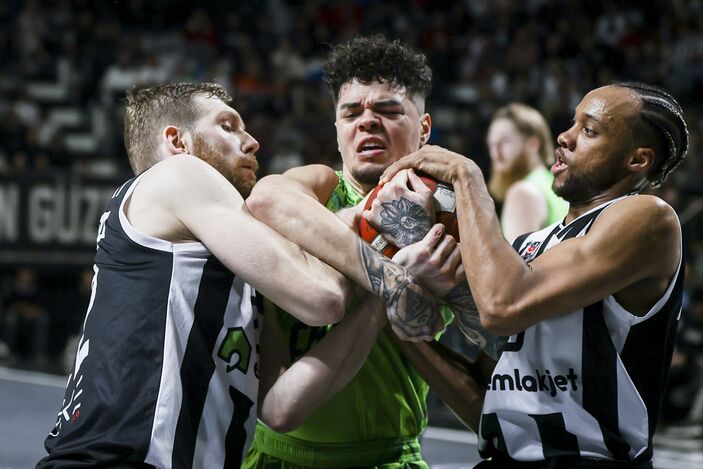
(445, 210)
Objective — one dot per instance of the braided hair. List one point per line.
(661, 125)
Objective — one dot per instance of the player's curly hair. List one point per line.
(149, 109)
(375, 58)
(661, 126)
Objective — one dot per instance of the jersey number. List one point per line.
(517, 345)
(236, 342)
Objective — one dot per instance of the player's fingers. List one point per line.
(401, 164)
(400, 179)
(433, 236)
(454, 260)
(444, 248)
(417, 184)
(459, 269)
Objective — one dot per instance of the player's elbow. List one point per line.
(501, 318)
(327, 308)
(325, 304)
(281, 420)
(262, 200)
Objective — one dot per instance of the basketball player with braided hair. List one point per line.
(591, 303)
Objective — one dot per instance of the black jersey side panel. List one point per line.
(647, 357)
(120, 356)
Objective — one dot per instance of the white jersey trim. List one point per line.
(632, 318)
(150, 241)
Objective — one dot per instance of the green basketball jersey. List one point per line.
(556, 206)
(381, 408)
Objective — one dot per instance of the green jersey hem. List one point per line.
(354, 454)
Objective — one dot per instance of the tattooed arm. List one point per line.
(462, 303)
(398, 214)
(411, 313)
(291, 204)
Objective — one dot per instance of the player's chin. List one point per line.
(369, 173)
(244, 185)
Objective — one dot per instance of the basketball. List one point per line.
(445, 213)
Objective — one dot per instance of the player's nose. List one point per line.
(249, 143)
(368, 120)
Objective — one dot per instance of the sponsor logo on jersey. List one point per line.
(541, 381)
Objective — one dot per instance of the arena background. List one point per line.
(65, 66)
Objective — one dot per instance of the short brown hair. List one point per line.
(149, 109)
(530, 123)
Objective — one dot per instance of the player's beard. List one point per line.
(582, 187)
(368, 176)
(500, 181)
(215, 158)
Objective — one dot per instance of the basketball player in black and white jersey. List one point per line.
(168, 366)
(591, 303)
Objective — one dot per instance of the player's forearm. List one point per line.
(325, 369)
(493, 269)
(457, 381)
(284, 205)
(321, 233)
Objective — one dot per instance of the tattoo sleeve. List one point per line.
(405, 221)
(468, 320)
(411, 309)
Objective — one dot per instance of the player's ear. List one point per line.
(174, 139)
(640, 160)
(425, 128)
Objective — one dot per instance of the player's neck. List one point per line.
(362, 189)
(576, 209)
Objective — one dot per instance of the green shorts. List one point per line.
(286, 452)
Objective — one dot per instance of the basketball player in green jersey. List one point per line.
(379, 90)
(520, 144)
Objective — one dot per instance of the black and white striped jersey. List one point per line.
(166, 372)
(586, 384)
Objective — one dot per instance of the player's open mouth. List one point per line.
(370, 147)
(560, 164)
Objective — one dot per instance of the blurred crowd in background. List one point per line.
(65, 66)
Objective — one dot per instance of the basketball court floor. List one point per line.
(29, 402)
